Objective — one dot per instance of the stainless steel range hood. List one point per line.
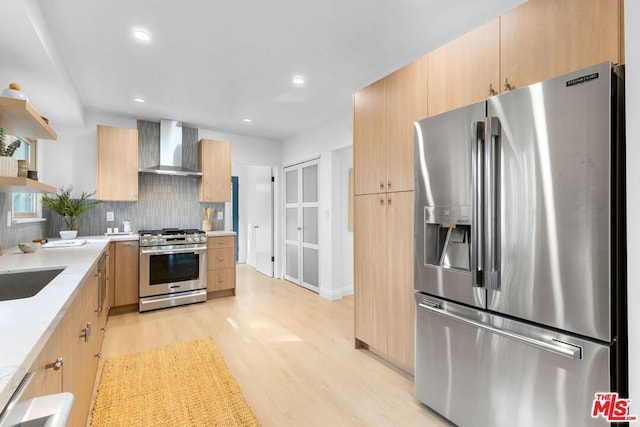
(170, 152)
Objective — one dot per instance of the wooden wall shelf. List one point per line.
(19, 118)
(11, 184)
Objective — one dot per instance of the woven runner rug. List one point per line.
(185, 384)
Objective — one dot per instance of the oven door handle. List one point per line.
(172, 251)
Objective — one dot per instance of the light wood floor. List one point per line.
(291, 352)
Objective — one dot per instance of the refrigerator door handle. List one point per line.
(490, 251)
(561, 348)
(477, 149)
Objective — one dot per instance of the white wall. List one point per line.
(323, 141)
(632, 42)
(248, 149)
(342, 275)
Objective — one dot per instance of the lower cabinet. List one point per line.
(82, 344)
(125, 274)
(48, 368)
(221, 266)
(383, 273)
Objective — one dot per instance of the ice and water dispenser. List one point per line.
(447, 237)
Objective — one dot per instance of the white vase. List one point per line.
(8, 166)
(68, 234)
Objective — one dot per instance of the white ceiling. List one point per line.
(211, 63)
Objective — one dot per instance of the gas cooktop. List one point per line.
(171, 236)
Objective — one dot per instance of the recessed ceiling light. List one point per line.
(141, 35)
(298, 80)
(247, 120)
(139, 100)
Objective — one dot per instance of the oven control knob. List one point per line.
(153, 241)
(189, 239)
(203, 239)
(161, 241)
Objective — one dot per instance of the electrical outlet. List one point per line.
(220, 215)
(9, 219)
(109, 216)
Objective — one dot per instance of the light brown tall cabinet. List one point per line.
(384, 113)
(537, 40)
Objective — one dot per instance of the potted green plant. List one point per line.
(8, 164)
(69, 208)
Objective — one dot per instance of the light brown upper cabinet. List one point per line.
(214, 161)
(541, 39)
(384, 113)
(117, 164)
(466, 70)
(370, 138)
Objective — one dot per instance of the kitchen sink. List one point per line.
(25, 284)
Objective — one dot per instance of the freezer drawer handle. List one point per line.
(561, 348)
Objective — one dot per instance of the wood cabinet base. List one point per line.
(222, 293)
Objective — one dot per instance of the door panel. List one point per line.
(480, 376)
(546, 38)
(401, 319)
(443, 199)
(370, 271)
(262, 219)
(302, 225)
(554, 213)
(369, 138)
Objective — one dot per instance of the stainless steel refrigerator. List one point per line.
(519, 254)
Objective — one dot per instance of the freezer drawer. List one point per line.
(479, 369)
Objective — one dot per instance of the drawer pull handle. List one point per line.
(56, 365)
(220, 259)
(220, 280)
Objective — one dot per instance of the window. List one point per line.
(26, 205)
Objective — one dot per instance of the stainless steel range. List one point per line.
(173, 268)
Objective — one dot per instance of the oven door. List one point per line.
(166, 270)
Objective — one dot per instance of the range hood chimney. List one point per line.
(170, 152)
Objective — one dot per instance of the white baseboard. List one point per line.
(336, 294)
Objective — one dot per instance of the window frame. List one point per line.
(36, 211)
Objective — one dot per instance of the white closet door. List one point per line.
(301, 224)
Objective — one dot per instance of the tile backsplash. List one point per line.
(163, 201)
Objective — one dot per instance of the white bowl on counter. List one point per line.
(68, 234)
(28, 247)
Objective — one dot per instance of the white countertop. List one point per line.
(26, 324)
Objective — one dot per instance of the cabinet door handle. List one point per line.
(55, 365)
(381, 185)
(382, 200)
(508, 86)
(389, 201)
(389, 184)
(491, 90)
(87, 332)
